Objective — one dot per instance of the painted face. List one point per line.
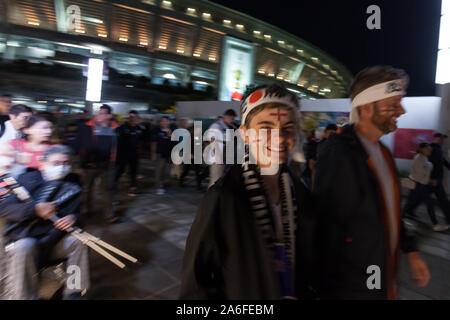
(386, 112)
(275, 130)
(40, 132)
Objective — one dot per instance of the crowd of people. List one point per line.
(255, 236)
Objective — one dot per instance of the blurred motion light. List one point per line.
(123, 39)
(206, 15)
(227, 22)
(34, 23)
(13, 44)
(169, 76)
(196, 55)
(102, 35)
(162, 47)
(94, 81)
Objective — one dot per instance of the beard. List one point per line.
(384, 123)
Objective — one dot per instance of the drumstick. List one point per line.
(110, 247)
(99, 250)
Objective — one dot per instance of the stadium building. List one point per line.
(151, 52)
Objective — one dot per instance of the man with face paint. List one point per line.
(358, 197)
(251, 238)
(32, 239)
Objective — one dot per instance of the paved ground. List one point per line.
(155, 230)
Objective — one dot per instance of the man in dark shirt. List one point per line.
(437, 174)
(129, 136)
(161, 151)
(96, 145)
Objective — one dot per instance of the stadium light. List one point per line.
(94, 81)
(443, 55)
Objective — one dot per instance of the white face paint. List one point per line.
(51, 173)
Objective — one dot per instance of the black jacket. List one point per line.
(226, 257)
(438, 160)
(21, 220)
(94, 150)
(351, 235)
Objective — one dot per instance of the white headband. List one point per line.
(375, 93)
(260, 97)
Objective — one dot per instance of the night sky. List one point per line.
(408, 38)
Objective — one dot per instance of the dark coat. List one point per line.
(351, 230)
(89, 148)
(21, 220)
(226, 257)
(438, 160)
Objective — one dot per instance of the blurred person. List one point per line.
(33, 241)
(96, 144)
(5, 105)
(437, 174)
(13, 128)
(251, 238)
(161, 153)
(358, 197)
(420, 174)
(331, 128)
(182, 123)
(310, 152)
(27, 152)
(199, 169)
(129, 137)
(217, 168)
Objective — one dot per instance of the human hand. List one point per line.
(65, 223)
(419, 269)
(45, 210)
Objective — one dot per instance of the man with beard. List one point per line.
(359, 227)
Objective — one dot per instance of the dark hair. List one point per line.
(273, 89)
(422, 145)
(331, 126)
(164, 117)
(230, 112)
(35, 119)
(56, 149)
(106, 107)
(371, 76)
(19, 108)
(134, 112)
(439, 135)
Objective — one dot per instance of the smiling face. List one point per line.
(386, 112)
(267, 125)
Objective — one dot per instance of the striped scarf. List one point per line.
(280, 247)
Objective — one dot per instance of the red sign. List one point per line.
(406, 141)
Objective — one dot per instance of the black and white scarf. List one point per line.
(257, 194)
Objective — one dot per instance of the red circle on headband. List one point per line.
(255, 96)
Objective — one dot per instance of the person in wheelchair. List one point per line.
(39, 211)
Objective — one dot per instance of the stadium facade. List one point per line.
(148, 44)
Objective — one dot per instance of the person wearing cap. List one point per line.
(437, 174)
(359, 226)
(420, 173)
(251, 238)
(221, 137)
